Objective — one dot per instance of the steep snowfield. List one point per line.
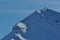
(39, 27)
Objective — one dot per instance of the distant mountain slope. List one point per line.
(43, 24)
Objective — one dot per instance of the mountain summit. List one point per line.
(43, 24)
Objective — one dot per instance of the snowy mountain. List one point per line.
(43, 24)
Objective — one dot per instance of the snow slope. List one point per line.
(43, 25)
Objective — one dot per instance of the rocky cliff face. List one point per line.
(43, 24)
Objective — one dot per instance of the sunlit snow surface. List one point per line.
(22, 26)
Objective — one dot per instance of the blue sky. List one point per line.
(13, 11)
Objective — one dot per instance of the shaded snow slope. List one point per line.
(43, 25)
